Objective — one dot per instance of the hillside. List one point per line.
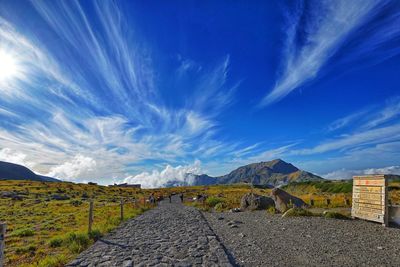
(276, 172)
(11, 171)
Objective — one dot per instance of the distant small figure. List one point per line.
(169, 196)
(152, 199)
(181, 196)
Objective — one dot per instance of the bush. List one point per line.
(297, 212)
(220, 207)
(55, 242)
(335, 215)
(95, 235)
(213, 201)
(77, 242)
(24, 232)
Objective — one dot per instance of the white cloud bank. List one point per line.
(15, 157)
(348, 174)
(79, 166)
(155, 179)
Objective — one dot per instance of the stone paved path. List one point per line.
(169, 235)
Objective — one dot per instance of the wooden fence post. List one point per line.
(90, 216)
(328, 201)
(122, 209)
(2, 242)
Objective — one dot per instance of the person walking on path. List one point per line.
(181, 196)
(169, 196)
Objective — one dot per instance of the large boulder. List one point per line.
(284, 200)
(252, 201)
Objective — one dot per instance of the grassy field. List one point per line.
(47, 232)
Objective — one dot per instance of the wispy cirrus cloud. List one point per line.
(316, 30)
(91, 108)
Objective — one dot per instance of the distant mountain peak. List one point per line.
(12, 171)
(275, 172)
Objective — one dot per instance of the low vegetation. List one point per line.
(297, 212)
(335, 215)
(44, 231)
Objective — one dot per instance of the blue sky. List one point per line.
(147, 91)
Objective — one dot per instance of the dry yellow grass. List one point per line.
(46, 232)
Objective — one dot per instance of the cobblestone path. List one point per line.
(169, 235)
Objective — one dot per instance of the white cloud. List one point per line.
(62, 96)
(6, 154)
(315, 33)
(348, 174)
(368, 137)
(79, 167)
(155, 179)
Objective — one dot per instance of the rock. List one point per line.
(59, 197)
(253, 201)
(12, 195)
(235, 210)
(285, 201)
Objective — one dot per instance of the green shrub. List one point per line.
(77, 242)
(56, 242)
(53, 261)
(213, 201)
(271, 210)
(23, 232)
(95, 234)
(297, 212)
(335, 215)
(221, 206)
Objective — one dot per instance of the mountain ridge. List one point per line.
(274, 173)
(12, 171)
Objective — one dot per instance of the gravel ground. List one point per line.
(169, 235)
(261, 239)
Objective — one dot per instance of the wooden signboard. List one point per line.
(370, 198)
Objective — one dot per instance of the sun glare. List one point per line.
(8, 66)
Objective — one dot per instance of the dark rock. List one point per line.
(59, 197)
(12, 195)
(285, 201)
(253, 201)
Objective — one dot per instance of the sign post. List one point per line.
(370, 198)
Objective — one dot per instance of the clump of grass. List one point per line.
(30, 248)
(271, 210)
(76, 203)
(55, 242)
(77, 242)
(25, 232)
(213, 201)
(53, 261)
(297, 212)
(220, 207)
(95, 234)
(335, 215)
